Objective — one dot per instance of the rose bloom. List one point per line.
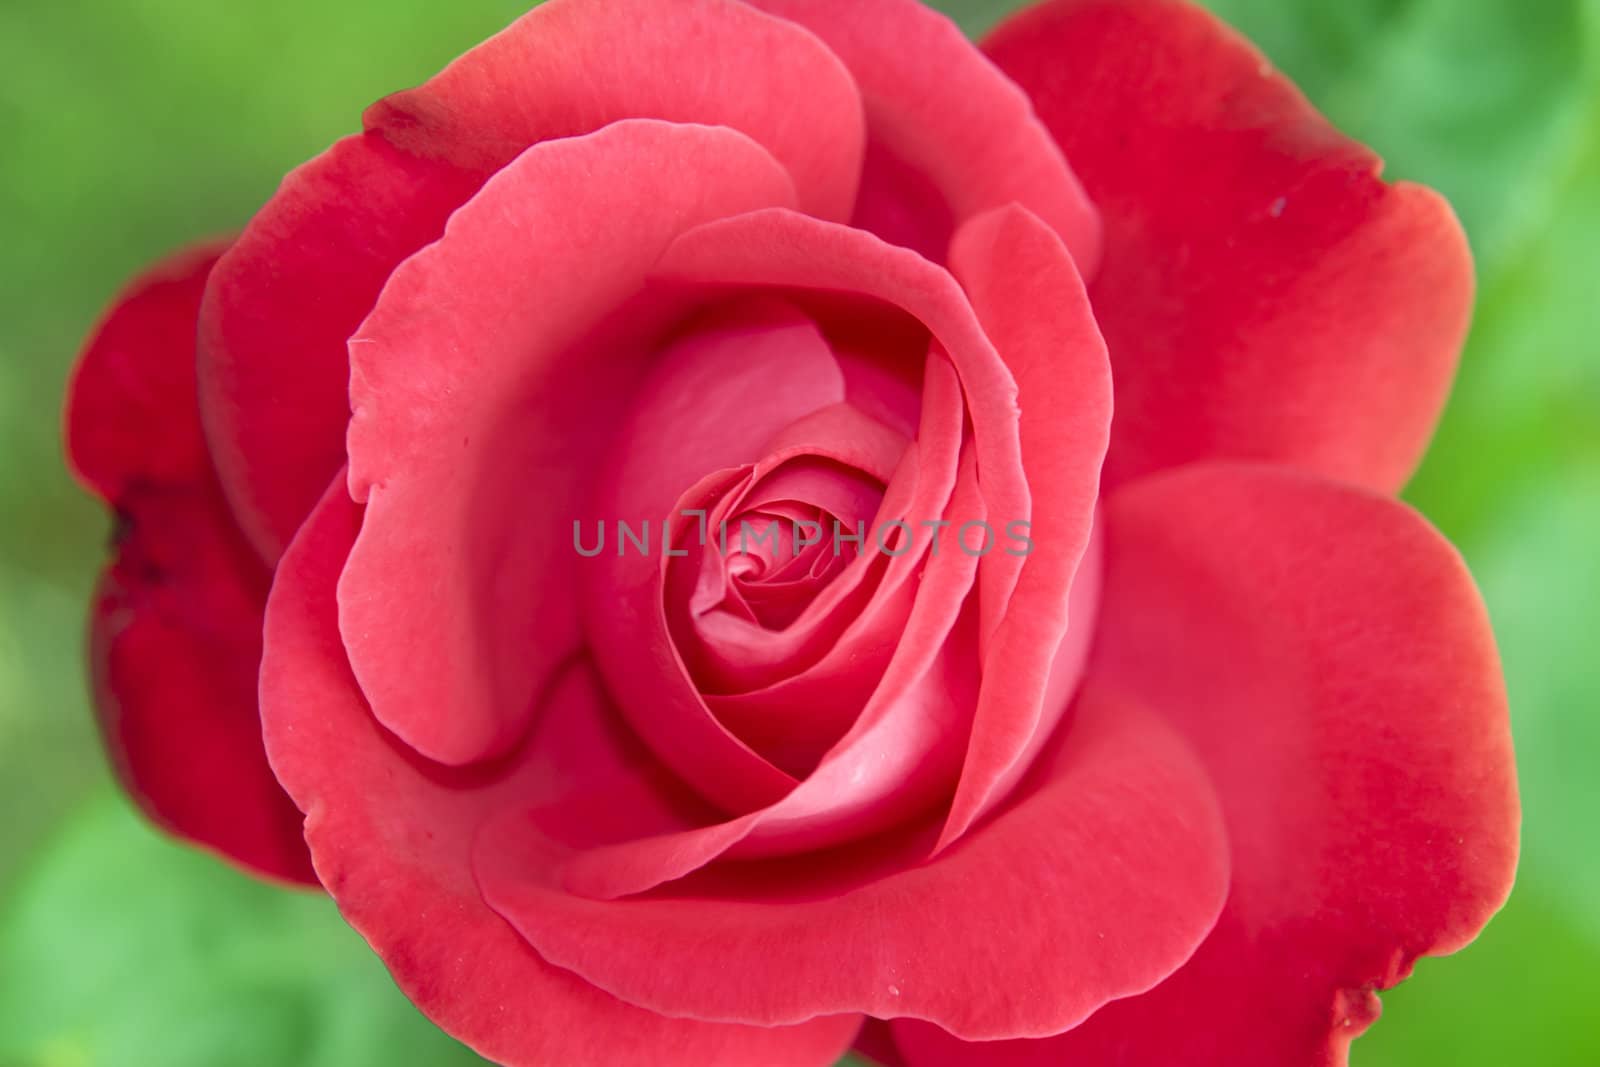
(1186, 782)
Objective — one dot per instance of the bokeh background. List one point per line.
(128, 127)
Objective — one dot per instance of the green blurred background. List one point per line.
(128, 127)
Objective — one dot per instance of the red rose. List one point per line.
(1162, 739)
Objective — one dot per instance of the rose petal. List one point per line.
(732, 658)
(274, 372)
(949, 136)
(783, 249)
(1108, 871)
(1327, 655)
(875, 1044)
(481, 416)
(572, 66)
(390, 836)
(882, 351)
(902, 749)
(311, 264)
(661, 677)
(1264, 294)
(711, 402)
(1031, 301)
(646, 674)
(175, 633)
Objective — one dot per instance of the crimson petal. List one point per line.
(175, 635)
(1264, 295)
(1326, 654)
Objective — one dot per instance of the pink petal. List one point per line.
(732, 657)
(481, 415)
(1028, 295)
(390, 836)
(902, 750)
(782, 249)
(1264, 295)
(1096, 883)
(713, 401)
(310, 266)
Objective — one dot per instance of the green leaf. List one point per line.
(121, 949)
(977, 17)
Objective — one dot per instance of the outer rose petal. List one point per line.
(1263, 293)
(310, 265)
(1326, 653)
(949, 136)
(176, 626)
(1096, 882)
(274, 374)
(572, 66)
(390, 835)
